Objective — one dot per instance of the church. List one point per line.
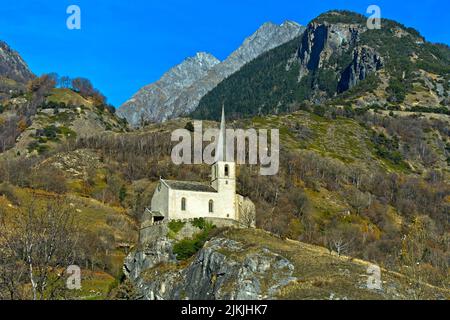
(217, 199)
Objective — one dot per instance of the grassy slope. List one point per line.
(320, 273)
(96, 217)
(79, 118)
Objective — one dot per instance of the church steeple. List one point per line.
(223, 175)
(221, 149)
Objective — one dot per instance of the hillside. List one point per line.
(359, 180)
(62, 114)
(253, 264)
(339, 61)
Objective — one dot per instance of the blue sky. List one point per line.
(123, 45)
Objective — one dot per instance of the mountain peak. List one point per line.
(181, 88)
(206, 57)
(291, 23)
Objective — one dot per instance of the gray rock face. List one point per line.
(365, 61)
(155, 102)
(173, 96)
(12, 66)
(153, 253)
(222, 270)
(323, 44)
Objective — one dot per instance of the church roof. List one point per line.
(154, 213)
(189, 186)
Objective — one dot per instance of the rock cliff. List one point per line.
(335, 50)
(222, 269)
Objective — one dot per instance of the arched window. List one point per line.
(211, 206)
(227, 171)
(183, 204)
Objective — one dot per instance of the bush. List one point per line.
(35, 145)
(49, 179)
(319, 110)
(396, 90)
(189, 126)
(200, 223)
(186, 248)
(51, 132)
(8, 191)
(176, 226)
(387, 148)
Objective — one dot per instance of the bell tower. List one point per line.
(223, 174)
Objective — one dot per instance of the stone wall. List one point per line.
(149, 233)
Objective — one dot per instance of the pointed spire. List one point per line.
(221, 150)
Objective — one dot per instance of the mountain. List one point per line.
(12, 66)
(179, 91)
(336, 58)
(14, 72)
(155, 102)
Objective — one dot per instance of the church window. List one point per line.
(183, 204)
(211, 206)
(227, 171)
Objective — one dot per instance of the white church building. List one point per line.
(217, 199)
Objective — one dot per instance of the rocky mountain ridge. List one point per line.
(338, 58)
(155, 102)
(163, 100)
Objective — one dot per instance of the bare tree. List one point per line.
(412, 255)
(247, 214)
(338, 242)
(42, 239)
(12, 269)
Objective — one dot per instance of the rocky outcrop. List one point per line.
(12, 66)
(222, 269)
(365, 61)
(324, 47)
(146, 257)
(321, 40)
(180, 90)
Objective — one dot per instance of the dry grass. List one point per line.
(322, 275)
